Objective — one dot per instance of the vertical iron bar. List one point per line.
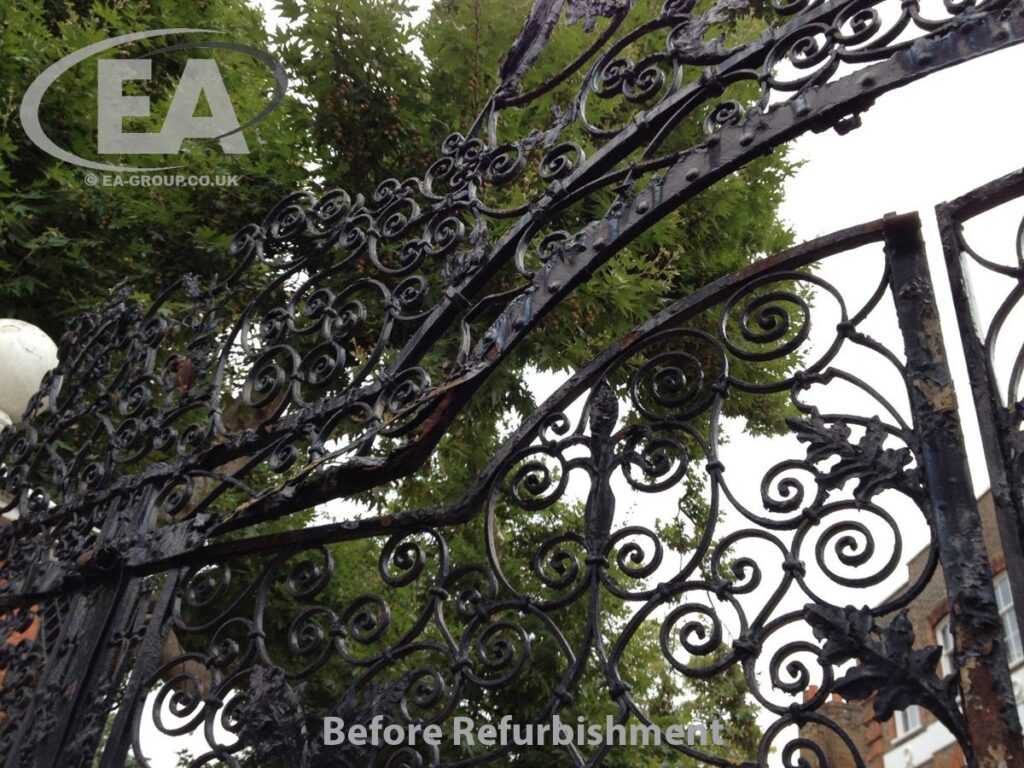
(990, 713)
(74, 697)
(146, 663)
(1007, 496)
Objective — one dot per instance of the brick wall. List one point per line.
(848, 716)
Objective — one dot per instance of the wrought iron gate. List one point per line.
(147, 581)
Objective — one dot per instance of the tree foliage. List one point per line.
(64, 244)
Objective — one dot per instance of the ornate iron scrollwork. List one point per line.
(648, 413)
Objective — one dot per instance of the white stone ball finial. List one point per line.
(26, 354)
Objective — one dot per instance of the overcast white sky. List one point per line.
(926, 143)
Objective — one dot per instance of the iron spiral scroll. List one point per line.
(355, 330)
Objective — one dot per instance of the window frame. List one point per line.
(908, 721)
(944, 637)
(1008, 619)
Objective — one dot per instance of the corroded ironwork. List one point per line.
(994, 350)
(476, 622)
(352, 333)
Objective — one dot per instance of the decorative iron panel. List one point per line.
(648, 410)
(325, 357)
(760, 588)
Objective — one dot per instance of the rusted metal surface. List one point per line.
(989, 705)
(999, 409)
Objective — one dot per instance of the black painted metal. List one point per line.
(305, 377)
(997, 399)
(988, 700)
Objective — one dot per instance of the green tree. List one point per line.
(64, 244)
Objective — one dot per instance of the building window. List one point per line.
(1011, 632)
(944, 637)
(908, 720)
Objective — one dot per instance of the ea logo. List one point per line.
(201, 78)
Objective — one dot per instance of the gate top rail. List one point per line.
(168, 551)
